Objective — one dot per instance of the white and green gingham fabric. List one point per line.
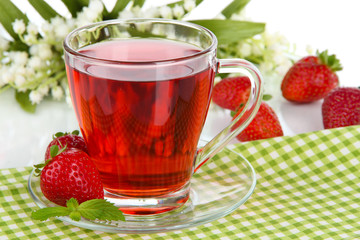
(308, 187)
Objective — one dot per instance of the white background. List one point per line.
(323, 24)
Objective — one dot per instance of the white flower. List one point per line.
(309, 49)
(90, 14)
(245, 49)
(4, 44)
(266, 67)
(35, 62)
(57, 92)
(35, 97)
(47, 28)
(7, 76)
(126, 14)
(19, 80)
(43, 90)
(62, 31)
(19, 26)
(30, 39)
(32, 29)
(137, 11)
(178, 11)
(9, 73)
(189, 5)
(82, 19)
(18, 58)
(165, 12)
(283, 67)
(152, 12)
(43, 51)
(96, 6)
(19, 70)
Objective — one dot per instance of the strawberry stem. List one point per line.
(60, 134)
(330, 60)
(54, 151)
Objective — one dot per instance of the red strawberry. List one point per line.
(341, 108)
(311, 78)
(264, 125)
(70, 174)
(71, 140)
(231, 92)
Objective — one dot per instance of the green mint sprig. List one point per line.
(92, 209)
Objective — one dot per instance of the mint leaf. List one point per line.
(45, 213)
(100, 209)
(92, 209)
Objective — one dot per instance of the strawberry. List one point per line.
(264, 125)
(70, 173)
(71, 140)
(341, 108)
(231, 92)
(311, 78)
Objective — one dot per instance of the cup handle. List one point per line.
(244, 118)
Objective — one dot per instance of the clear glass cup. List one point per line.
(141, 90)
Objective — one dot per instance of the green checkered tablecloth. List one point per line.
(308, 187)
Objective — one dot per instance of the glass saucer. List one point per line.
(217, 189)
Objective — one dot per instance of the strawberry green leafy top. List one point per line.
(330, 60)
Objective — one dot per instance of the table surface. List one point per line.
(307, 188)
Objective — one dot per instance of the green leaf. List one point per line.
(45, 213)
(75, 132)
(58, 134)
(228, 31)
(83, 3)
(23, 99)
(139, 3)
(100, 209)
(173, 4)
(72, 204)
(330, 60)
(119, 6)
(8, 14)
(75, 6)
(91, 209)
(134, 32)
(266, 97)
(45, 11)
(40, 165)
(54, 150)
(72, 6)
(18, 45)
(234, 7)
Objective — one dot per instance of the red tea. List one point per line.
(142, 125)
